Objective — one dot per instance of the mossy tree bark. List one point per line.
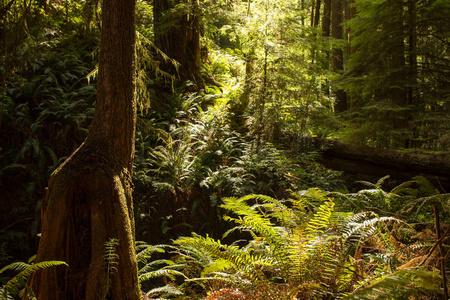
(89, 198)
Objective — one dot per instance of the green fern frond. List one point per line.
(403, 283)
(217, 266)
(364, 228)
(231, 278)
(165, 291)
(273, 208)
(5, 295)
(240, 259)
(402, 187)
(145, 251)
(376, 185)
(17, 266)
(155, 263)
(321, 220)
(313, 197)
(14, 285)
(92, 74)
(193, 256)
(425, 186)
(170, 273)
(110, 260)
(31, 259)
(253, 219)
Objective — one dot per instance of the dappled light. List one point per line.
(229, 149)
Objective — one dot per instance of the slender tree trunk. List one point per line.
(326, 18)
(350, 13)
(326, 31)
(398, 93)
(412, 67)
(239, 107)
(315, 12)
(337, 55)
(412, 49)
(262, 102)
(89, 199)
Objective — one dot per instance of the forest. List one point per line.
(224, 149)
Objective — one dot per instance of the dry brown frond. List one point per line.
(226, 294)
(424, 235)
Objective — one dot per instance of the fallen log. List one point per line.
(358, 159)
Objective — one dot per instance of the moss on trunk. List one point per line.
(88, 203)
(89, 200)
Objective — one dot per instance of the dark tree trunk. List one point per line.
(315, 12)
(326, 31)
(412, 49)
(337, 55)
(326, 18)
(397, 91)
(88, 201)
(350, 13)
(180, 40)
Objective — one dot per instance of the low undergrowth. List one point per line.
(309, 247)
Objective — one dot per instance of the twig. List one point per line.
(434, 247)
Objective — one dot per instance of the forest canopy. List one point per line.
(236, 104)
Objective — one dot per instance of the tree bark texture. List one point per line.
(315, 12)
(326, 18)
(412, 49)
(89, 199)
(178, 36)
(337, 55)
(350, 13)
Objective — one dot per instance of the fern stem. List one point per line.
(441, 250)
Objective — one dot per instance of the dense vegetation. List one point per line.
(224, 212)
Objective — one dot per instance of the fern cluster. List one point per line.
(302, 248)
(16, 286)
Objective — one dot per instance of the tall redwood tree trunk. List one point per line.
(178, 36)
(89, 202)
